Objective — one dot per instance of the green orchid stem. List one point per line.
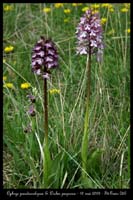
(84, 148)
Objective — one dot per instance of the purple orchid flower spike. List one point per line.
(44, 57)
(89, 35)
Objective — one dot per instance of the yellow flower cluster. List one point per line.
(4, 78)
(95, 6)
(8, 85)
(76, 4)
(109, 6)
(8, 49)
(103, 20)
(67, 11)
(95, 11)
(66, 20)
(106, 5)
(25, 85)
(127, 5)
(58, 5)
(111, 9)
(84, 9)
(46, 10)
(124, 10)
(11, 86)
(8, 8)
(4, 60)
(127, 30)
(54, 91)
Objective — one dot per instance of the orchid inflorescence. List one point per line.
(44, 57)
(89, 35)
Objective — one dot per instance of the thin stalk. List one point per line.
(45, 112)
(47, 160)
(129, 165)
(84, 147)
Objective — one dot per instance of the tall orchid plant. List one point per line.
(45, 58)
(90, 41)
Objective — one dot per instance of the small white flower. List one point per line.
(81, 50)
(51, 52)
(34, 55)
(93, 43)
(82, 20)
(87, 27)
(46, 75)
(37, 48)
(41, 53)
(49, 65)
(48, 59)
(38, 71)
(39, 61)
(83, 34)
(48, 45)
(92, 33)
(33, 63)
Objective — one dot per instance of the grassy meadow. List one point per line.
(109, 123)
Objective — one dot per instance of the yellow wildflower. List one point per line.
(4, 60)
(54, 91)
(110, 6)
(8, 49)
(127, 30)
(124, 10)
(25, 85)
(7, 8)
(46, 10)
(8, 85)
(95, 6)
(66, 20)
(67, 11)
(74, 4)
(103, 20)
(95, 11)
(4, 78)
(111, 9)
(58, 5)
(127, 5)
(106, 5)
(84, 9)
